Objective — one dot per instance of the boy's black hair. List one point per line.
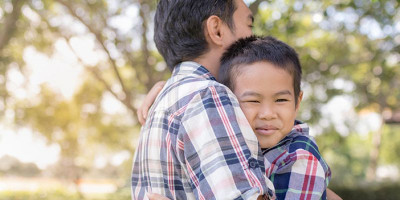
(259, 49)
(179, 27)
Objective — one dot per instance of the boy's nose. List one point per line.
(267, 112)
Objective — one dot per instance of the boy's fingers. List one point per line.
(142, 112)
(332, 195)
(140, 116)
(145, 111)
(148, 101)
(152, 196)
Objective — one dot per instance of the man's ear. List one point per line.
(213, 29)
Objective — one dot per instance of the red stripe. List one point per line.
(233, 139)
(306, 178)
(274, 163)
(181, 145)
(170, 167)
(313, 176)
(195, 180)
(178, 112)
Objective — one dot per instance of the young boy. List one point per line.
(265, 75)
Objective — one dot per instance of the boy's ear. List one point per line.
(213, 29)
(299, 99)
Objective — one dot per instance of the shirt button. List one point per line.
(253, 163)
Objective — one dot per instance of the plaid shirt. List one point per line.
(197, 143)
(296, 167)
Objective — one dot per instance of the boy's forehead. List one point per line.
(252, 68)
(257, 64)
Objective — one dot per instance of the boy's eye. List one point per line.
(281, 100)
(252, 101)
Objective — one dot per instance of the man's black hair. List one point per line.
(259, 49)
(179, 27)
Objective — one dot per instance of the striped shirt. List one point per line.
(296, 167)
(197, 143)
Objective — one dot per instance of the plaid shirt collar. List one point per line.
(299, 129)
(190, 68)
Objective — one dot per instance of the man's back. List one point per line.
(192, 145)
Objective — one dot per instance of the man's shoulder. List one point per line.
(190, 92)
(199, 85)
(189, 87)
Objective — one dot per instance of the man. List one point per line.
(197, 143)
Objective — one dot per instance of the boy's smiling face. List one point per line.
(266, 96)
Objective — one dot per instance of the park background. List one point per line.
(74, 72)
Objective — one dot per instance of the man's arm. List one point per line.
(215, 148)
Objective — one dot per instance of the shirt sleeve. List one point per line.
(301, 175)
(219, 148)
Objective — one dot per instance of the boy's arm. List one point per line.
(218, 150)
(300, 175)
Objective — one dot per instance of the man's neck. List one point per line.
(211, 61)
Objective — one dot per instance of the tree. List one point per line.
(11, 166)
(128, 71)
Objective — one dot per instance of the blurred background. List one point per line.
(74, 72)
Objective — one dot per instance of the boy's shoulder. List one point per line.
(305, 142)
(295, 147)
(297, 140)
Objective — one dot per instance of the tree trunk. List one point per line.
(9, 23)
(254, 6)
(374, 154)
(145, 48)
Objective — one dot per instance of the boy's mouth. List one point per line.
(266, 130)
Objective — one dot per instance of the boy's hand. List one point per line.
(153, 196)
(148, 101)
(330, 195)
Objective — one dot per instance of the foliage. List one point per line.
(387, 191)
(123, 70)
(123, 194)
(56, 195)
(390, 147)
(347, 169)
(334, 43)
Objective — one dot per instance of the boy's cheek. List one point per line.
(250, 113)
